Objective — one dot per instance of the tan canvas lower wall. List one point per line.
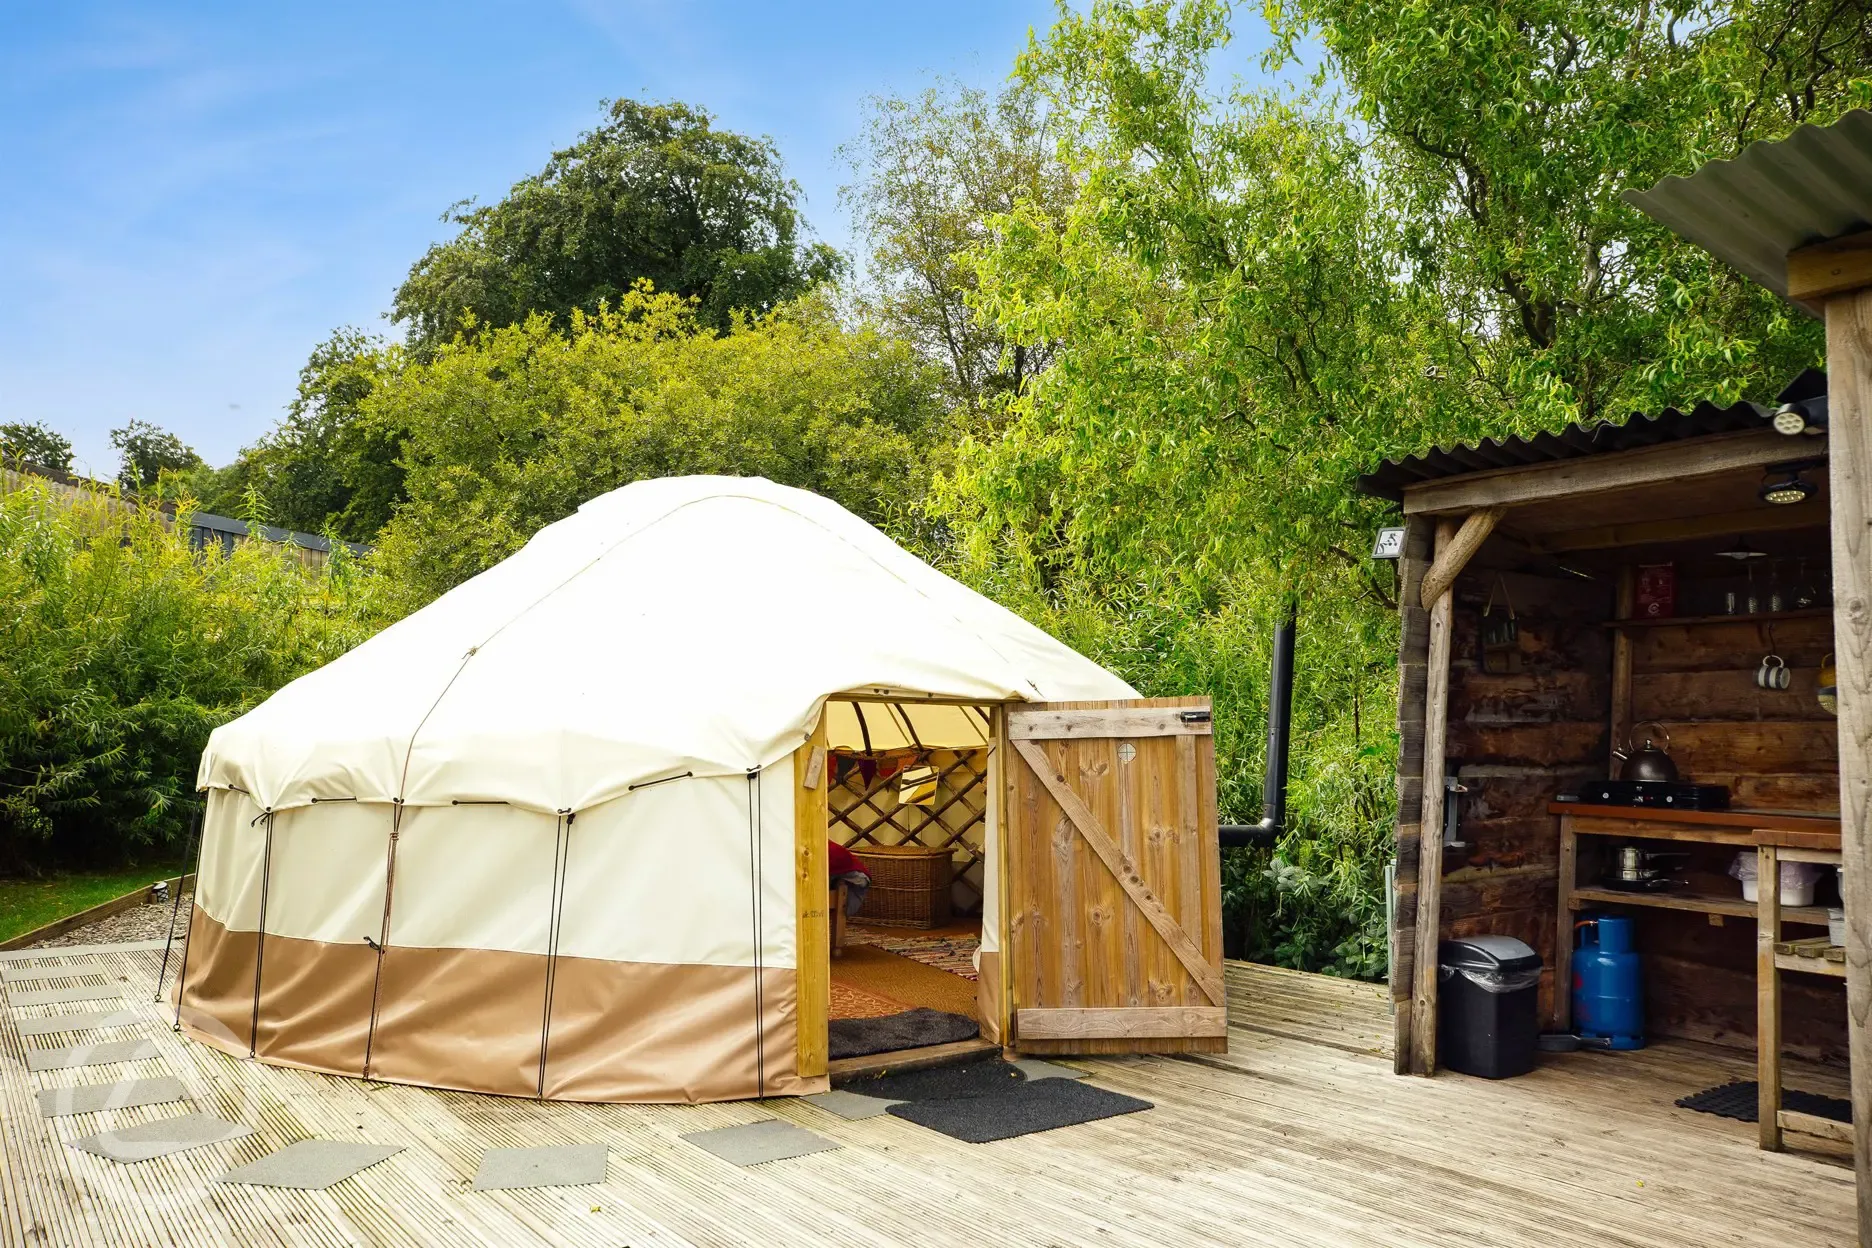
(471, 1019)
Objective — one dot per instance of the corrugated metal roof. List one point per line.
(1578, 441)
(1776, 196)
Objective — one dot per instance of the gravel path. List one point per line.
(145, 922)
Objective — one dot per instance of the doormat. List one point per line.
(986, 1076)
(850, 1106)
(758, 1142)
(77, 970)
(1739, 1101)
(311, 1165)
(1022, 1108)
(912, 1029)
(162, 1137)
(57, 996)
(103, 1053)
(552, 1165)
(97, 1097)
(76, 1022)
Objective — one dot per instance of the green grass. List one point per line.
(27, 904)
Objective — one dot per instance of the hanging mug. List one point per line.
(1773, 673)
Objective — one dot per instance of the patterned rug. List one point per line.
(851, 1002)
(955, 954)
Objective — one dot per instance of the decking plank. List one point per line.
(1300, 1133)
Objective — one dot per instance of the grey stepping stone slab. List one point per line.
(557, 1165)
(21, 974)
(74, 951)
(758, 1142)
(56, 996)
(162, 1137)
(850, 1104)
(311, 1165)
(102, 1053)
(1033, 1068)
(97, 1097)
(77, 1022)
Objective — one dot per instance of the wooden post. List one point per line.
(1767, 998)
(1413, 658)
(1454, 546)
(1849, 454)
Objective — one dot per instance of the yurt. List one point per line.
(563, 832)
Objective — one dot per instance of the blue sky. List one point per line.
(194, 194)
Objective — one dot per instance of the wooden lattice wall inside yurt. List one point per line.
(866, 809)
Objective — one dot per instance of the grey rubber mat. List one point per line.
(1034, 1068)
(97, 1097)
(162, 1137)
(75, 951)
(554, 1165)
(1739, 1101)
(102, 1053)
(912, 1029)
(759, 1142)
(56, 996)
(850, 1105)
(1042, 1105)
(76, 1022)
(988, 1077)
(23, 974)
(311, 1165)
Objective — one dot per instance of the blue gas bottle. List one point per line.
(1608, 984)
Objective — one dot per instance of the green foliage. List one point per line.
(657, 193)
(33, 443)
(323, 469)
(147, 451)
(1508, 134)
(513, 428)
(934, 170)
(120, 649)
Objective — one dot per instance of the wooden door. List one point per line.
(1114, 884)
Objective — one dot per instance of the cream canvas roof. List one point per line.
(689, 624)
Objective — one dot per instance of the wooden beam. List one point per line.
(1831, 268)
(1207, 977)
(1413, 656)
(1599, 474)
(811, 900)
(1423, 1030)
(1451, 560)
(1849, 380)
(1150, 1022)
(1763, 519)
(1118, 721)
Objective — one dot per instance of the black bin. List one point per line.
(1487, 993)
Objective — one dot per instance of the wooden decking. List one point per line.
(1300, 1135)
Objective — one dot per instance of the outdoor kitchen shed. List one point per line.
(1562, 591)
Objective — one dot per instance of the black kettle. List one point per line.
(1649, 762)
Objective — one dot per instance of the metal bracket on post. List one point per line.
(1452, 813)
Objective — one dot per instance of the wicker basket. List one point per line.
(909, 885)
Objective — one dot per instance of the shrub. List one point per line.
(121, 648)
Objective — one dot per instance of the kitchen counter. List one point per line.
(1788, 829)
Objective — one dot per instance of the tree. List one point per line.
(146, 451)
(657, 193)
(933, 171)
(35, 444)
(323, 468)
(1510, 133)
(515, 428)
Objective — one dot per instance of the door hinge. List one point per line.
(1193, 717)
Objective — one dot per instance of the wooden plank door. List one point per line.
(1114, 884)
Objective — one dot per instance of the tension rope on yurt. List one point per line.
(266, 881)
(382, 942)
(562, 854)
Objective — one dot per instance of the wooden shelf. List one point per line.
(1760, 617)
(1696, 903)
(1811, 966)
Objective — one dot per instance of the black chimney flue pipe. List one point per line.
(1280, 723)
